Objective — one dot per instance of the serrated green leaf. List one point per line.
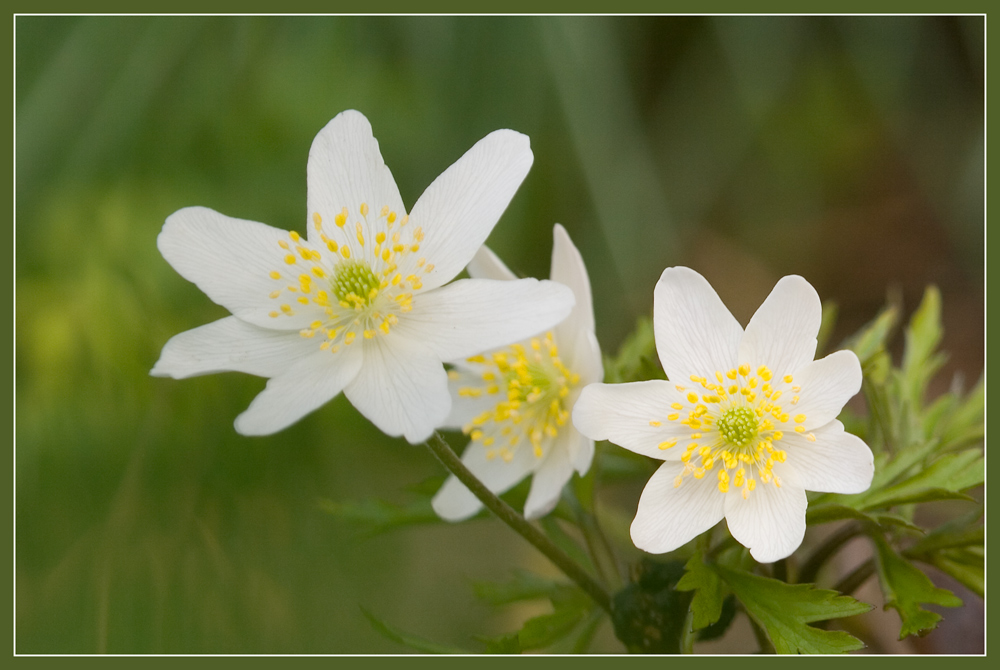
(784, 610)
(541, 631)
(960, 532)
(411, 641)
(706, 605)
(965, 565)
(946, 478)
(524, 586)
(378, 516)
(648, 614)
(906, 587)
(922, 336)
(964, 425)
(871, 339)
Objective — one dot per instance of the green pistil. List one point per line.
(738, 425)
(354, 277)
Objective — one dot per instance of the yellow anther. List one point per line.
(672, 417)
(318, 271)
(654, 424)
(349, 337)
(274, 274)
(364, 209)
(799, 418)
(783, 418)
(294, 235)
(317, 220)
(287, 309)
(723, 487)
(341, 218)
(302, 299)
(744, 370)
(751, 483)
(667, 444)
(723, 476)
(811, 437)
(698, 473)
(391, 218)
(800, 429)
(273, 315)
(777, 435)
(731, 374)
(345, 252)
(283, 244)
(696, 379)
(752, 382)
(692, 397)
(384, 327)
(733, 389)
(429, 268)
(274, 294)
(787, 379)
(679, 388)
(677, 481)
(290, 259)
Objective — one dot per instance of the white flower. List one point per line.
(746, 424)
(361, 304)
(515, 403)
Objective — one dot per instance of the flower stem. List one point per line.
(444, 453)
(859, 576)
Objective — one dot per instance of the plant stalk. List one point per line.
(444, 453)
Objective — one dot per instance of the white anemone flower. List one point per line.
(360, 304)
(746, 424)
(515, 402)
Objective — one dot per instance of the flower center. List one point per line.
(735, 420)
(355, 283)
(738, 425)
(355, 277)
(531, 385)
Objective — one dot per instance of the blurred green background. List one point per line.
(846, 149)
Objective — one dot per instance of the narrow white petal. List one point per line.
(231, 261)
(474, 315)
(549, 478)
(837, 462)
(454, 502)
(346, 169)
(581, 450)
(622, 413)
(568, 269)
(770, 522)
(826, 386)
(782, 333)
(670, 516)
(402, 387)
(232, 344)
(487, 265)
(583, 356)
(465, 408)
(695, 333)
(459, 209)
(307, 385)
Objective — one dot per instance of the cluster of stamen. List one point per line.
(530, 385)
(735, 420)
(355, 287)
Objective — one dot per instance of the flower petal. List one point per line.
(549, 478)
(464, 408)
(304, 387)
(826, 386)
(346, 169)
(770, 522)
(568, 269)
(622, 413)
(670, 516)
(473, 315)
(231, 261)
(837, 462)
(581, 450)
(487, 265)
(454, 502)
(459, 209)
(695, 333)
(230, 344)
(782, 333)
(402, 387)
(583, 356)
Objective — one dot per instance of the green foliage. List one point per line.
(709, 594)
(378, 516)
(407, 640)
(784, 610)
(648, 614)
(636, 359)
(906, 587)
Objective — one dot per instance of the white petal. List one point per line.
(622, 414)
(402, 387)
(487, 265)
(695, 333)
(465, 408)
(231, 344)
(770, 522)
(782, 333)
(307, 385)
(583, 356)
(837, 462)
(670, 516)
(581, 450)
(459, 209)
(454, 502)
(826, 386)
(346, 169)
(231, 261)
(568, 269)
(474, 315)
(548, 481)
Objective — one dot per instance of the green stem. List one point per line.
(444, 453)
(837, 539)
(859, 576)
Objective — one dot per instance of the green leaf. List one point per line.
(965, 565)
(922, 337)
(871, 339)
(541, 631)
(378, 516)
(524, 586)
(946, 478)
(636, 359)
(959, 532)
(905, 587)
(506, 644)
(963, 425)
(784, 610)
(648, 614)
(706, 605)
(416, 643)
(827, 512)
